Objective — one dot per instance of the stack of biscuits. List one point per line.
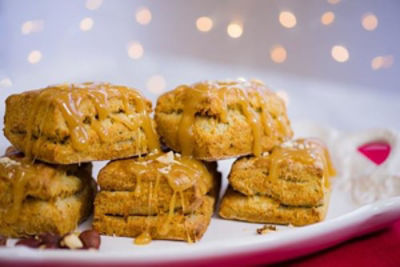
(152, 189)
(275, 179)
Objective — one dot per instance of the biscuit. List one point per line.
(73, 123)
(37, 197)
(219, 120)
(159, 187)
(263, 209)
(296, 173)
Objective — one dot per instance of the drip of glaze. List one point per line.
(69, 98)
(260, 122)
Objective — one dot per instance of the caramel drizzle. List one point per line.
(259, 123)
(69, 98)
(306, 151)
(181, 174)
(19, 173)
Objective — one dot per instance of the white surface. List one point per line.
(345, 219)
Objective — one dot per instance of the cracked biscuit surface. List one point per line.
(217, 120)
(72, 123)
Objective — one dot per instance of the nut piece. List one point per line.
(266, 229)
(72, 241)
(29, 242)
(90, 239)
(3, 241)
(167, 158)
(50, 240)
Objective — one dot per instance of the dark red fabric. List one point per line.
(378, 249)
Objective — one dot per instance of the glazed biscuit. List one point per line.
(218, 120)
(296, 173)
(159, 187)
(263, 209)
(73, 123)
(37, 197)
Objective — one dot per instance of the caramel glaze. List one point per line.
(18, 170)
(181, 173)
(260, 121)
(308, 151)
(68, 98)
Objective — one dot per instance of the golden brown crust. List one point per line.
(221, 129)
(58, 216)
(52, 131)
(262, 209)
(190, 227)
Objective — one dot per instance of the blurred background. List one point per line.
(336, 62)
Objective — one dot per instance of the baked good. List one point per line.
(158, 196)
(39, 198)
(73, 123)
(295, 173)
(263, 209)
(215, 120)
(290, 185)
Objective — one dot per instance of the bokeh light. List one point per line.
(32, 26)
(369, 22)
(86, 24)
(204, 24)
(382, 62)
(93, 4)
(333, 2)
(234, 30)
(135, 50)
(328, 18)
(34, 57)
(156, 84)
(143, 16)
(278, 54)
(340, 53)
(5, 82)
(287, 19)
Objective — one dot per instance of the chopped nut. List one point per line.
(31, 242)
(72, 241)
(3, 241)
(264, 154)
(7, 162)
(50, 240)
(90, 239)
(167, 158)
(266, 229)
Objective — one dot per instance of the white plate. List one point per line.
(232, 242)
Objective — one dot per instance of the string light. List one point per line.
(287, 19)
(340, 53)
(93, 4)
(5, 82)
(135, 50)
(380, 62)
(204, 24)
(369, 22)
(234, 30)
(34, 56)
(278, 54)
(86, 24)
(143, 16)
(32, 26)
(156, 84)
(328, 18)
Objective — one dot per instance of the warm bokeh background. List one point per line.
(336, 61)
